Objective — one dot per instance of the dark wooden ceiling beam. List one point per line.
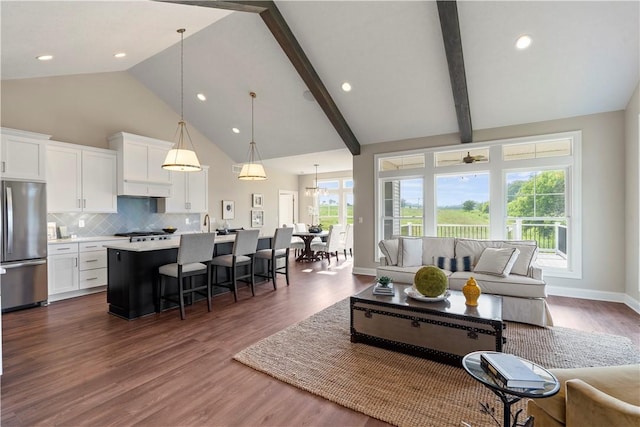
(276, 23)
(450, 25)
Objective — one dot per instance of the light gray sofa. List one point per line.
(518, 280)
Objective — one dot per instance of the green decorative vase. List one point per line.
(430, 281)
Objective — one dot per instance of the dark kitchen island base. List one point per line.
(133, 275)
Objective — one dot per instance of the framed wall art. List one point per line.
(257, 218)
(256, 201)
(228, 209)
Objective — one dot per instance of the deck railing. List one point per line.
(550, 237)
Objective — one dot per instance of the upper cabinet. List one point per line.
(140, 161)
(190, 193)
(22, 155)
(80, 179)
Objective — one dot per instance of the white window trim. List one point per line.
(497, 169)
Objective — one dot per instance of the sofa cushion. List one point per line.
(498, 262)
(410, 252)
(528, 254)
(474, 248)
(389, 249)
(434, 247)
(454, 264)
(513, 285)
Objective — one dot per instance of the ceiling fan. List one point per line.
(472, 159)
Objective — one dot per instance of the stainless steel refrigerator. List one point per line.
(24, 244)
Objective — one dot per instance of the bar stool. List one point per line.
(194, 258)
(244, 247)
(279, 249)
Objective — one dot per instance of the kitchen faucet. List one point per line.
(207, 222)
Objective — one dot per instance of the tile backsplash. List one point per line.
(134, 214)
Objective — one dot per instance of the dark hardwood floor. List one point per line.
(73, 364)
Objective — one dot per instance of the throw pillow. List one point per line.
(454, 264)
(525, 258)
(497, 262)
(389, 249)
(410, 252)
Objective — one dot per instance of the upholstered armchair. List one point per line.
(591, 397)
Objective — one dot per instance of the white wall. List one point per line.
(632, 197)
(603, 165)
(86, 109)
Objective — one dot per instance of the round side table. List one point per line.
(510, 395)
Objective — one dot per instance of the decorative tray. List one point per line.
(413, 293)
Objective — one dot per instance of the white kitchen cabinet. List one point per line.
(190, 193)
(140, 162)
(92, 265)
(23, 155)
(74, 268)
(62, 268)
(80, 179)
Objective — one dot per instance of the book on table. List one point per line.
(510, 370)
(378, 289)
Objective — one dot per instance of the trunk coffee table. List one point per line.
(444, 331)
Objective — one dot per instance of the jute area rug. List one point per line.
(316, 355)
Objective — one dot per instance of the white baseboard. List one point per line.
(364, 271)
(632, 303)
(77, 293)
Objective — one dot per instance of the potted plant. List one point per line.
(384, 281)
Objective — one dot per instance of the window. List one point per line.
(463, 205)
(401, 162)
(537, 150)
(403, 208)
(523, 188)
(336, 206)
(536, 211)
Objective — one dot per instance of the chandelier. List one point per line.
(315, 190)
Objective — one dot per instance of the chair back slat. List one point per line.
(282, 238)
(246, 242)
(196, 247)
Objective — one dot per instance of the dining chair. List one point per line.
(297, 244)
(194, 259)
(244, 248)
(332, 245)
(279, 250)
(347, 242)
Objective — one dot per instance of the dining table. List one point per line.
(308, 254)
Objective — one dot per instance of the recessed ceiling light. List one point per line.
(346, 86)
(120, 55)
(235, 130)
(44, 57)
(201, 97)
(523, 42)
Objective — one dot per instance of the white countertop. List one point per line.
(158, 245)
(87, 239)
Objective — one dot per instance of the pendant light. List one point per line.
(180, 158)
(315, 190)
(253, 169)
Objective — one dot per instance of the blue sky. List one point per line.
(451, 190)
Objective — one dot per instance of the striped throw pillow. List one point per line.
(454, 264)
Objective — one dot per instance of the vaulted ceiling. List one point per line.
(584, 59)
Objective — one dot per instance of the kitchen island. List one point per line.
(132, 269)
